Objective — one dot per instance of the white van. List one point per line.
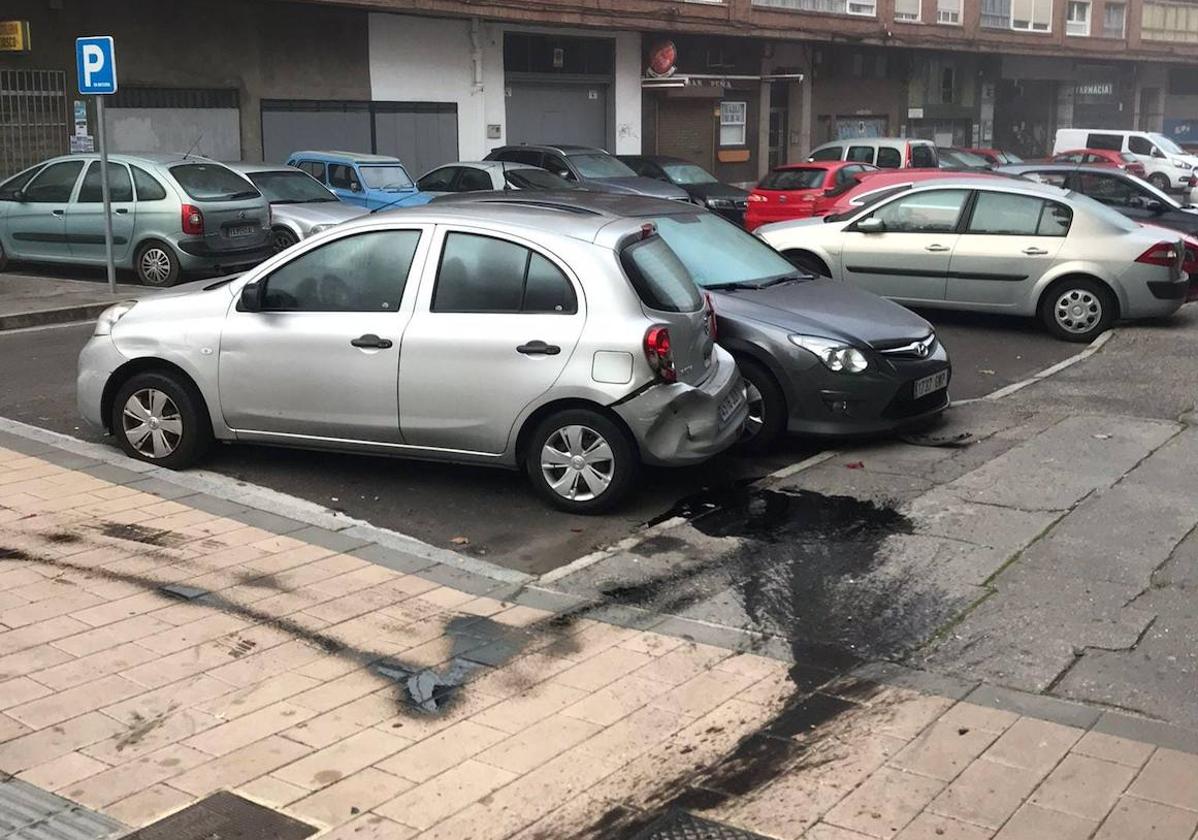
(1168, 166)
(882, 152)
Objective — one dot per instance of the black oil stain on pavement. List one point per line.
(140, 533)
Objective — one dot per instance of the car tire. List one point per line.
(281, 239)
(808, 262)
(156, 265)
(1077, 309)
(179, 431)
(3, 257)
(766, 422)
(581, 433)
(1160, 181)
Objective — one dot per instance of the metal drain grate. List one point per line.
(679, 825)
(225, 816)
(30, 813)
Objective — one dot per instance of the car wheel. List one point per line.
(580, 461)
(281, 239)
(156, 265)
(1077, 309)
(766, 422)
(809, 263)
(3, 258)
(1160, 181)
(160, 420)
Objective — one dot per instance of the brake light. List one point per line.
(1193, 182)
(657, 351)
(1162, 253)
(193, 220)
(757, 197)
(711, 325)
(908, 154)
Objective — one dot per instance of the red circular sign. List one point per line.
(662, 57)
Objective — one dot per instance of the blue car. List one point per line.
(369, 181)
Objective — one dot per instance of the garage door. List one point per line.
(290, 127)
(423, 135)
(207, 122)
(539, 112)
(686, 129)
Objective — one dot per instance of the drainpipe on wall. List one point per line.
(476, 52)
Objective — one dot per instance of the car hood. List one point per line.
(317, 212)
(826, 308)
(702, 192)
(637, 185)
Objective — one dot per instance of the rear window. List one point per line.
(861, 154)
(922, 157)
(1112, 142)
(212, 182)
(889, 158)
(659, 277)
(793, 179)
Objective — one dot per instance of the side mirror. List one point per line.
(1154, 206)
(871, 225)
(251, 297)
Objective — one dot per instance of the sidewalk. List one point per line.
(28, 300)
(156, 650)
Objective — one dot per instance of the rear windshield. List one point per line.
(537, 179)
(718, 253)
(688, 173)
(793, 179)
(599, 165)
(659, 277)
(212, 182)
(290, 186)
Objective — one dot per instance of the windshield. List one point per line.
(600, 165)
(1160, 195)
(212, 182)
(956, 157)
(1007, 157)
(283, 187)
(537, 179)
(717, 253)
(1102, 212)
(793, 179)
(688, 173)
(390, 176)
(1166, 144)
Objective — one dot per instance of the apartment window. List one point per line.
(1114, 20)
(1170, 22)
(865, 8)
(907, 10)
(996, 14)
(733, 119)
(1031, 15)
(948, 11)
(1077, 17)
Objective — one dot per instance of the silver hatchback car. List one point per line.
(564, 339)
(171, 215)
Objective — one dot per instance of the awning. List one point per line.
(711, 80)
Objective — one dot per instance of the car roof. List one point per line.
(821, 164)
(159, 158)
(505, 165)
(1019, 168)
(656, 158)
(357, 157)
(560, 148)
(973, 182)
(244, 166)
(861, 141)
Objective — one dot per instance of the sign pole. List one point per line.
(104, 193)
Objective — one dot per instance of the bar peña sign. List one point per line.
(14, 36)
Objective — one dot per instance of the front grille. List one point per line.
(919, 349)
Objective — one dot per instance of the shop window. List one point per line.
(1170, 22)
(733, 123)
(949, 12)
(1077, 18)
(1114, 20)
(1031, 15)
(907, 10)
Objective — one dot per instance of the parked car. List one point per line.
(820, 357)
(171, 215)
(369, 181)
(869, 187)
(952, 158)
(702, 187)
(882, 152)
(573, 344)
(1168, 166)
(1102, 157)
(996, 157)
(299, 204)
(477, 176)
(999, 245)
(1125, 193)
(799, 190)
(594, 169)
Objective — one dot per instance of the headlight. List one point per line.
(836, 355)
(111, 315)
(1180, 163)
(319, 229)
(720, 203)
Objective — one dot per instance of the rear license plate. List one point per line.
(730, 404)
(928, 384)
(241, 230)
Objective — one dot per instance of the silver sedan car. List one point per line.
(993, 245)
(482, 175)
(299, 204)
(570, 343)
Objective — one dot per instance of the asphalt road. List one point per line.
(492, 509)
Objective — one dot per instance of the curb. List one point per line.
(46, 317)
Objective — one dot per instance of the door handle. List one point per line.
(538, 348)
(936, 249)
(372, 341)
(57, 212)
(120, 211)
(1034, 251)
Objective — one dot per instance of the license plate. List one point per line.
(928, 384)
(731, 403)
(241, 230)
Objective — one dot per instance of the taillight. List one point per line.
(193, 220)
(711, 326)
(1193, 182)
(1162, 253)
(657, 351)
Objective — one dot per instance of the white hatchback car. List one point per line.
(994, 245)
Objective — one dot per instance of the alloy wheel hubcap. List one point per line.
(152, 423)
(283, 240)
(1077, 311)
(156, 265)
(577, 463)
(755, 403)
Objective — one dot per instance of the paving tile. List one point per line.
(149, 805)
(257, 759)
(62, 771)
(231, 704)
(142, 734)
(271, 792)
(633, 735)
(616, 701)
(986, 794)
(353, 795)
(537, 744)
(909, 717)
(20, 690)
(370, 827)
(108, 636)
(1171, 778)
(326, 729)
(525, 709)
(443, 796)
(39, 747)
(1113, 748)
(703, 692)
(928, 826)
(884, 803)
(73, 702)
(1143, 820)
(223, 739)
(1032, 822)
(1084, 787)
(943, 751)
(1035, 745)
(342, 759)
(442, 751)
(27, 661)
(972, 716)
(683, 663)
(88, 668)
(823, 831)
(128, 778)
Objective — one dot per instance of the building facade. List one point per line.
(735, 85)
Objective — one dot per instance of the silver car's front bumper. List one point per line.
(97, 361)
(680, 424)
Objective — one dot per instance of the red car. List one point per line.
(873, 186)
(1103, 157)
(800, 190)
(995, 157)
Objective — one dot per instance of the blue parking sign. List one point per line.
(95, 60)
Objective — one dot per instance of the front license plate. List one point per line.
(731, 403)
(928, 384)
(241, 230)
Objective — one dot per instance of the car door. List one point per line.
(496, 322)
(908, 258)
(1007, 244)
(320, 359)
(37, 222)
(346, 185)
(85, 214)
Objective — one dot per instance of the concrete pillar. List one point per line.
(763, 131)
(806, 92)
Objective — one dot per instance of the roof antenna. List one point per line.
(507, 186)
(199, 137)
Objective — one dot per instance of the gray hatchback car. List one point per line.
(593, 169)
(563, 340)
(171, 215)
(299, 204)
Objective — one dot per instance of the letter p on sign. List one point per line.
(95, 61)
